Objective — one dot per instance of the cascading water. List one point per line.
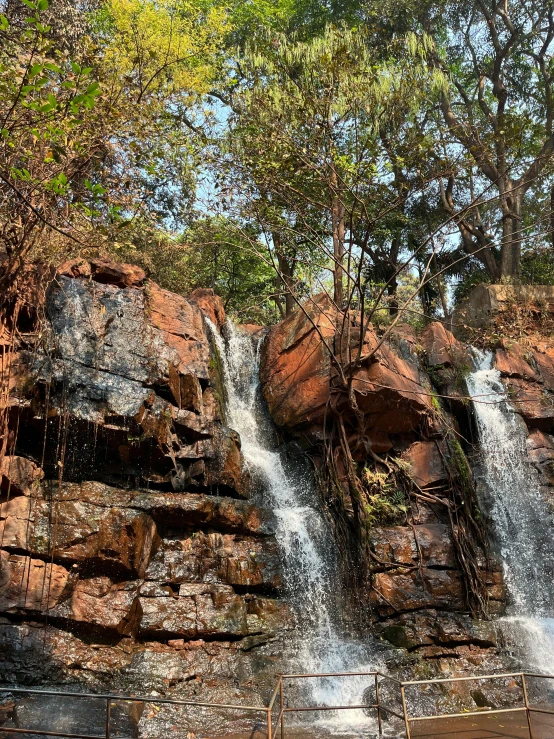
(522, 519)
(306, 542)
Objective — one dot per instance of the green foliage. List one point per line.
(385, 503)
(308, 148)
(51, 129)
(230, 259)
(537, 266)
(213, 252)
(329, 143)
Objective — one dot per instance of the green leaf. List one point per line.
(4, 23)
(30, 4)
(53, 67)
(62, 178)
(43, 4)
(76, 68)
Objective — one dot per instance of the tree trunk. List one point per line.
(286, 274)
(392, 277)
(511, 234)
(287, 279)
(552, 215)
(337, 220)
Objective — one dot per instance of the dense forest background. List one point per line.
(390, 153)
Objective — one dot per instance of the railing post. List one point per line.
(282, 699)
(404, 708)
(527, 709)
(108, 717)
(269, 722)
(378, 701)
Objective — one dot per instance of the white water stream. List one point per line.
(522, 520)
(310, 568)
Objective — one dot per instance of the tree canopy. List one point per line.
(276, 149)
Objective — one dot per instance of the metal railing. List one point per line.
(110, 699)
(377, 705)
(525, 707)
(273, 715)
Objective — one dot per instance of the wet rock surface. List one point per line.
(418, 596)
(131, 557)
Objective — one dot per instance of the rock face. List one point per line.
(487, 303)
(298, 375)
(418, 599)
(528, 373)
(131, 559)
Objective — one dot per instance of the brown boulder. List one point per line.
(425, 588)
(403, 545)
(532, 402)
(178, 509)
(252, 329)
(115, 537)
(268, 615)
(393, 544)
(440, 346)
(104, 271)
(100, 602)
(545, 364)
(186, 391)
(219, 610)
(199, 609)
(391, 395)
(209, 557)
(29, 584)
(17, 523)
(426, 463)
(297, 374)
(296, 368)
(140, 372)
(210, 304)
(18, 476)
(227, 468)
(424, 628)
(180, 326)
(541, 447)
(510, 362)
(165, 615)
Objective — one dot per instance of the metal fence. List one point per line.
(109, 699)
(277, 717)
(274, 715)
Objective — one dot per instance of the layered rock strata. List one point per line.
(130, 556)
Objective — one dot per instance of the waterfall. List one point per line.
(309, 559)
(521, 517)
